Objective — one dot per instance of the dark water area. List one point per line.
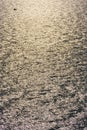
(43, 65)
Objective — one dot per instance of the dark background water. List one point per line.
(43, 65)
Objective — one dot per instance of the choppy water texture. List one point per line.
(43, 64)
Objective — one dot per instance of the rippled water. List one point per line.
(43, 65)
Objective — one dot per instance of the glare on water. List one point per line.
(43, 64)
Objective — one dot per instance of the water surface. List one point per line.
(43, 65)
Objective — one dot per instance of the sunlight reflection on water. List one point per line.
(43, 63)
